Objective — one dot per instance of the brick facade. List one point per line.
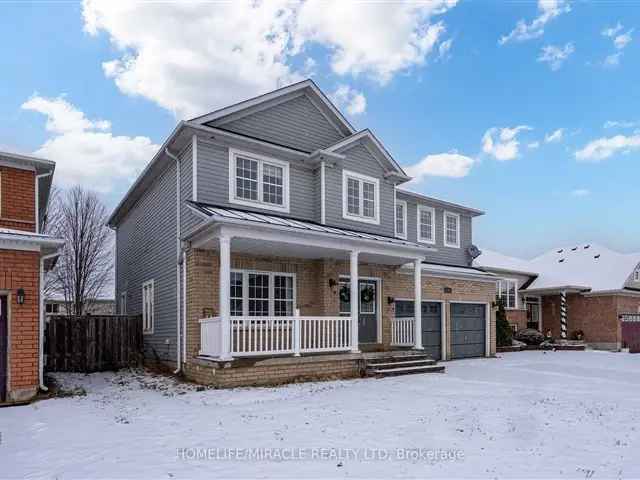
(315, 295)
(518, 318)
(17, 199)
(597, 316)
(20, 269)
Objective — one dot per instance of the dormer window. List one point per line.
(401, 219)
(360, 197)
(451, 230)
(258, 181)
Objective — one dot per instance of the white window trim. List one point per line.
(346, 174)
(433, 224)
(123, 303)
(233, 154)
(395, 218)
(444, 228)
(245, 290)
(515, 282)
(148, 331)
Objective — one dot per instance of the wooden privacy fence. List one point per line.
(93, 343)
(630, 326)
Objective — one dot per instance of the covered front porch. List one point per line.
(282, 288)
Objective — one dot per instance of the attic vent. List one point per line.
(574, 249)
(596, 256)
(560, 251)
(586, 246)
(561, 260)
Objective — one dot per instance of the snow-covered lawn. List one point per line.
(528, 414)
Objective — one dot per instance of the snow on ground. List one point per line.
(526, 414)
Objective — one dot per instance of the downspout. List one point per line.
(178, 269)
(184, 305)
(41, 323)
(37, 195)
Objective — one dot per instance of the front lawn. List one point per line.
(527, 414)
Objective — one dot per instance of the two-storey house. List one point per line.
(25, 255)
(272, 238)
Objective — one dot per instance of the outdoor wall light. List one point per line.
(20, 296)
(332, 283)
(390, 300)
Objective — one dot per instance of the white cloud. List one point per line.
(612, 31)
(86, 151)
(580, 192)
(444, 49)
(548, 10)
(533, 145)
(605, 147)
(620, 124)
(555, 56)
(621, 41)
(450, 164)
(352, 100)
(612, 60)
(235, 50)
(502, 143)
(555, 136)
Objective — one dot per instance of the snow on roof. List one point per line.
(589, 266)
(498, 261)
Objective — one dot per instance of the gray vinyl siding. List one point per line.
(359, 160)
(188, 219)
(146, 246)
(444, 255)
(295, 123)
(213, 182)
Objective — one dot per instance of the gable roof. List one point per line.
(589, 267)
(375, 147)
(260, 102)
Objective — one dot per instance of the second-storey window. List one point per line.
(451, 229)
(401, 219)
(360, 197)
(426, 224)
(259, 181)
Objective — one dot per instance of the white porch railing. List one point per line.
(402, 332)
(258, 336)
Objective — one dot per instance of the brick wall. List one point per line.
(517, 317)
(596, 316)
(17, 199)
(19, 269)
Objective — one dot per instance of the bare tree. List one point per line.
(84, 269)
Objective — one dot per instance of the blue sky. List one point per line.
(97, 86)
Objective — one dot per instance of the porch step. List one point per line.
(401, 364)
(388, 372)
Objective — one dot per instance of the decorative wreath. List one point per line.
(345, 294)
(367, 294)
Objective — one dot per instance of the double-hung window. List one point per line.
(401, 219)
(508, 292)
(426, 224)
(360, 197)
(262, 294)
(148, 301)
(451, 230)
(258, 181)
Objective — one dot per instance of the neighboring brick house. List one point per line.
(25, 255)
(591, 284)
(238, 241)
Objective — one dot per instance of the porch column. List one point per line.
(355, 303)
(417, 306)
(563, 314)
(224, 293)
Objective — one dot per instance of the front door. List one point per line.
(368, 311)
(4, 321)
